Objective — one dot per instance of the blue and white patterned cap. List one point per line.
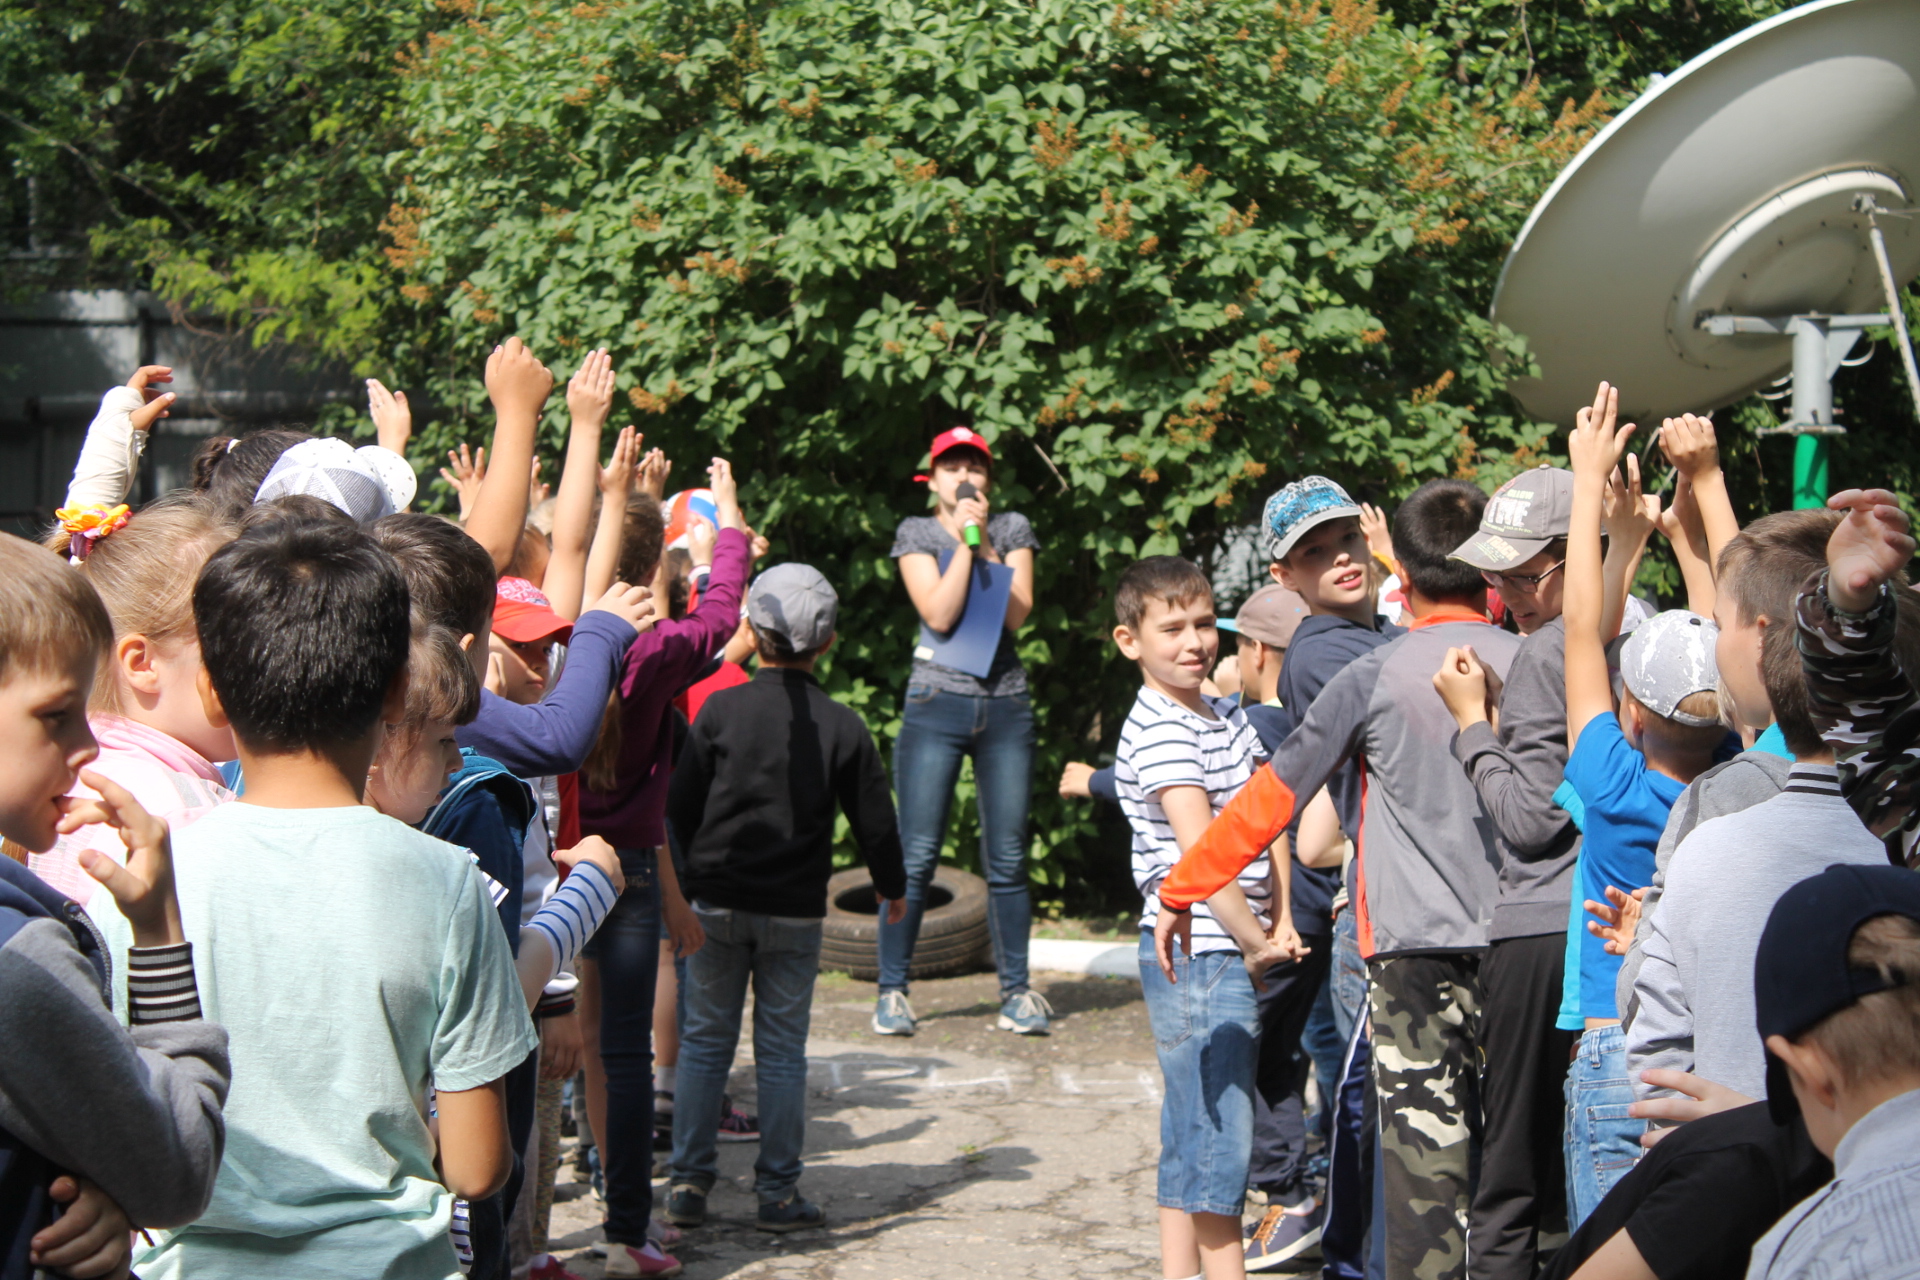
(1667, 659)
(1299, 507)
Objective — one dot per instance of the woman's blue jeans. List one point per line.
(936, 730)
(627, 950)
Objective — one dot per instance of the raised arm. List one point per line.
(616, 485)
(589, 399)
(1594, 448)
(1681, 522)
(518, 385)
(1689, 443)
(109, 458)
(1629, 518)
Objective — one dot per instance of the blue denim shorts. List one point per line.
(1602, 1140)
(1206, 1028)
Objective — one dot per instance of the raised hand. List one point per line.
(516, 382)
(654, 470)
(700, 539)
(597, 851)
(537, 489)
(464, 474)
(617, 477)
(1373, 523)
(1615, 925)
(1867, 548)
(726, 494)
(590, 391)
(157, 402)
(143, 888)
(392, 416)
(1595, 445)
(1689, 444)
(632, 605)
(1628, 515)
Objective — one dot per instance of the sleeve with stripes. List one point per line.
(573, 913)
(161, 986)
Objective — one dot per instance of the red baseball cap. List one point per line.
(523, 615)
(959, 438)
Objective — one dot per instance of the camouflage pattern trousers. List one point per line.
(1425, 1012)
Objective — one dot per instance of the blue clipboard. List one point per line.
(970, 646)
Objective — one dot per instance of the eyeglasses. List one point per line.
(1525, 583)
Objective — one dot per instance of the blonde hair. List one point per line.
(144, 574)
(49, 614)
(1877, 1037)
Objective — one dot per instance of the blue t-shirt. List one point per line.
(1625, 806)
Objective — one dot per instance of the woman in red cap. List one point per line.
(952, 713)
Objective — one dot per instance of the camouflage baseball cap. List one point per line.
(1299, 507)
(1522, 519)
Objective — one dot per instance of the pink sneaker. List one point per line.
(623, 1260)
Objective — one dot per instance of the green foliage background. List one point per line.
(1166, 254)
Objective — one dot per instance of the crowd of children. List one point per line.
(1594, 929)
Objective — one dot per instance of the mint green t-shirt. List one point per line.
(354, 963)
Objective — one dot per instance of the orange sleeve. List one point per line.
(1251, 821)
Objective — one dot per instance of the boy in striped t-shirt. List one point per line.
(1182, 757)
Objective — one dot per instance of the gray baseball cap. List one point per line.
(1270, 615)
(1522, 519)
(795, 602)
(1668, 658)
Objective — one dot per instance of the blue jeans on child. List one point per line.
(1206, 1028)
(1603, 1141)
(627, 950)
(936, 730)
(780, 955)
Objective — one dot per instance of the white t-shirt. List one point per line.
(354, 962)
(1166, 745)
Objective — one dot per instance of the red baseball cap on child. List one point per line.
(958, 438)
(522, 614)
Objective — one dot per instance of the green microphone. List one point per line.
(971, 529)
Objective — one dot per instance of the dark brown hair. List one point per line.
(640, 543)
(229, 472)
(1168, 579)
(1764, 565)
(1434, 520)
(449, 575)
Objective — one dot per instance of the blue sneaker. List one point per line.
(687, 1204)
(1026, 1013)
(1285, 1233)
(795, 1213)
(893, 1016)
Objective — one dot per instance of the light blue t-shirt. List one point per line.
(354, 963)
(1624, 808)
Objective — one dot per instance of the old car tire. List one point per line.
(953, 932)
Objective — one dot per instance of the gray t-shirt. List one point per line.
(925, 535)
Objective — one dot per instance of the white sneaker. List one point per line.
(892, 1015)
(623, 1260)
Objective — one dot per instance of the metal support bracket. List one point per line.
(1820, 344)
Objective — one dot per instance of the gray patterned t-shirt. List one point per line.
(925, 535)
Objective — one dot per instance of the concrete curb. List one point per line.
(1096, 959)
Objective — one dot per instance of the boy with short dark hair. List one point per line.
(753, 800)
(1424, 878)
(395, 976)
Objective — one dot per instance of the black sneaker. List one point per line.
(795, 1213)
(687, 1205)
(1285, 1233)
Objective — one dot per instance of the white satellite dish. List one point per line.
(1723, 229)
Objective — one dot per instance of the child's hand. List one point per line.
(1682, 519)
(1618, 922)
(157, 402)
(1462, 685)
(92, 1237)
(464, 474)
(616, 478)
(1594, 447)
(1171, 927)
(590, 391)
(1226, 675)
(392, 417)
(143, 888)
(1629, 516)
(896, 908)
(562, 1048)
(700, 539)
(1867, 548)
(654, 470)
(597, 851)
(1373, 523)
(684, 933)
(1695, 1097)
(1074, 781)
(632, 605)
(761, 545)
(726, 494)
(496, 680)
(1689, 444)
(516, 382)
(537, 489)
